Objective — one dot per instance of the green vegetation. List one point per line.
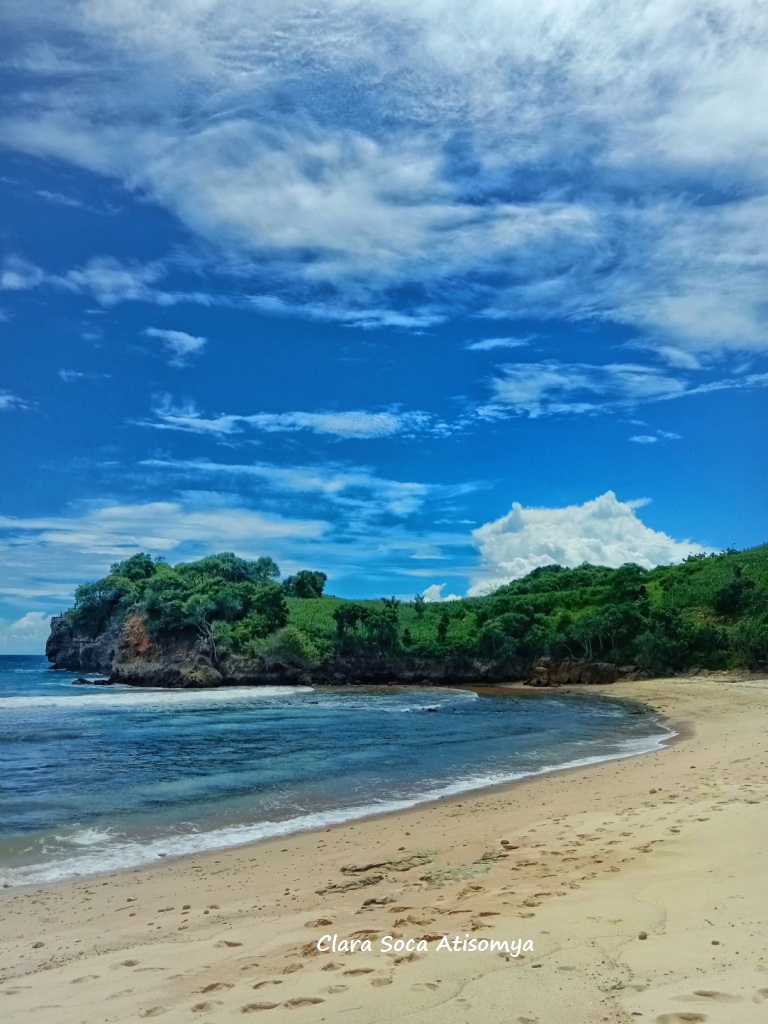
(709, 612)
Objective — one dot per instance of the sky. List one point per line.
(421, 295)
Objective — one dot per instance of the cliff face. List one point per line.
(79, 654)
(128, 655)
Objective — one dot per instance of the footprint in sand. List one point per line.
(381, 982)
(300, 1001)
(335, 990)
(719, 997)
(85, 977)
(269, 981)
(255, 1007)
(354, 971)
(227, 942)
(681, 1018)
(154, 1011)
(210, 1004)
(216, 986)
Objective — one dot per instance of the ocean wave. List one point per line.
(132, 697)
(105, 851)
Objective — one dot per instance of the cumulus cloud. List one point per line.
(435, 593)
(179, 345)
(604, 531)
(26, 635)
(506, 158)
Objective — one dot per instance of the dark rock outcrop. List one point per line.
(79, 654)
(548, 672)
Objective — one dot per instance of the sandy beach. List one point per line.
(641, 885)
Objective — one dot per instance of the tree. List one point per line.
(442, 627)
(305, 583)
(137, 567)
(97, 603)
(419, 605)
(228, 566)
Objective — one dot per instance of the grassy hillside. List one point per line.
(709, 611)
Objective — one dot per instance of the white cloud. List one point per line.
(538, 389)
(435, 593)
(26, 635)
(57, 198)
(513, 158)
(161, 526)
(179, 345)
(347, 424)
(357, 424)
(552, 387)
(109, 281)
(19, 275)
(70, 376)
(8, 402)
(487, 344)
(604, 531)
(660, 435)
(357, 488)
(105, 279)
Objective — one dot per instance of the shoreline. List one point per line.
(395, 807)
(584, 862)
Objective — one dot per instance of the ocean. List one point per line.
(96, 779)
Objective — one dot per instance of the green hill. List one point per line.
(707, 612)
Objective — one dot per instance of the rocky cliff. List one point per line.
(128, 655)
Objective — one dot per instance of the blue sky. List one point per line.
(419, 296)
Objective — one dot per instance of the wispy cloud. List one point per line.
(355, 424)
(8, 402)
(660, 435)
(17, 275)
(357, 488)
(179, 345)
(503, 159)
(58, 199)
(160, 526)
(488, 344)
(71, 376)
(551, 388)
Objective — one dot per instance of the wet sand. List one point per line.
(641, 884)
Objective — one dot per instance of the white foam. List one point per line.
(120, 854)
(133, 697)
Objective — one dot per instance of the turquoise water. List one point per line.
(98, 778)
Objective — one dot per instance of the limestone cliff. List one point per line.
(128, 655)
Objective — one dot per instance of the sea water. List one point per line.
(96, 778)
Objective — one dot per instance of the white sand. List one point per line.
(671, 845)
